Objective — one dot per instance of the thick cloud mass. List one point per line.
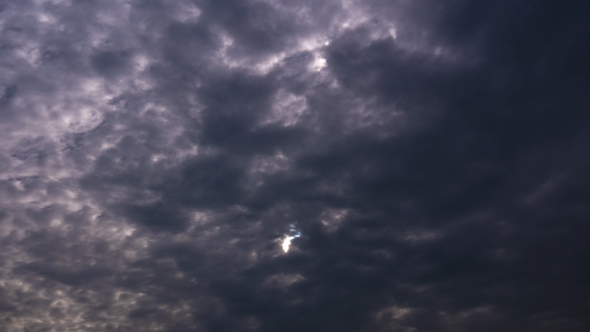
(429, 161)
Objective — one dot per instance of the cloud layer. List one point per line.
(428, 160)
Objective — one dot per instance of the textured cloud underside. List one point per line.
(289, 165)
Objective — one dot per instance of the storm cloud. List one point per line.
(279, 165)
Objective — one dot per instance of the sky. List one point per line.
(294, 165)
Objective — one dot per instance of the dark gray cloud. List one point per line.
(294, 166)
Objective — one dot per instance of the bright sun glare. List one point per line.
(288, 239)
(287, 243)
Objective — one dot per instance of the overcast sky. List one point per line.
(295, 165)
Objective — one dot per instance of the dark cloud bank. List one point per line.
(433, 156)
